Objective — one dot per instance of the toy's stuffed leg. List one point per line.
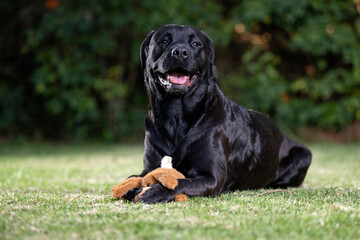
(181, 198)
(121, 189)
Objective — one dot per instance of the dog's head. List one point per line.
(177, 58)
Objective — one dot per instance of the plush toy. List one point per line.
(166, 175)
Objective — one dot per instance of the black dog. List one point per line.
(217, 144)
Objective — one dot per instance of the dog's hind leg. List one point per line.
(292, 167)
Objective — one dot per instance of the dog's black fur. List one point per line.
(217, 144)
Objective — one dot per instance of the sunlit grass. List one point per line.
(63, 192)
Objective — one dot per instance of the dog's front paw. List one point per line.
(157, 193)
(130, 195)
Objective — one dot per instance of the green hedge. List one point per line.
(310, 72)
(297, 61)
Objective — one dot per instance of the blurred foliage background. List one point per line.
(69, 70)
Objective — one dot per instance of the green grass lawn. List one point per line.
(63, 192)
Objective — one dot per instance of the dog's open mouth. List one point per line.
(177, 78)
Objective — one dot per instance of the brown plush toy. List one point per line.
(166, 175)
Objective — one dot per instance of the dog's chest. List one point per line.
(172, 122)
(175, 129)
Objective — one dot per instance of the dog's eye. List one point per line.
(164, 42)
(195, 44)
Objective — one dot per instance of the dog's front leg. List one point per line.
(200, 186)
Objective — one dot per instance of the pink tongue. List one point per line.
(178, 78)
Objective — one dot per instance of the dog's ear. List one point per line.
(144, 50)
(212, 68)
(210, 47)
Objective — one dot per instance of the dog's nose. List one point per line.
(180, 52)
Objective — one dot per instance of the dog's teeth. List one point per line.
(164, 81)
